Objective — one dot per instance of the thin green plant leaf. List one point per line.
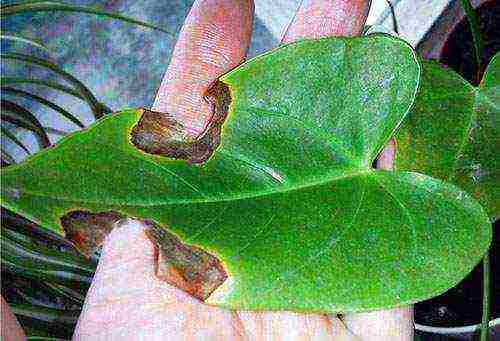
(288, 200)
(47, 103)
(14, 139)
(55, 131)
(7, 156)
(23, 261)
(67, 292)
(393, 15)
(486, 298)
(97, 108)
(476, 34)
(6, 80)
(48, 256)
(45, 314)
(29, 229)
(45, 338)
(51, 6)
(25, 40)
(20, 116)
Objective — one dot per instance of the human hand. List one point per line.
(126, 300)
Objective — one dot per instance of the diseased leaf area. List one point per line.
(452, 132)
(288, 205)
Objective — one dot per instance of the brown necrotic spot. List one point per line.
(185, 266)
(87, 230)
(161, 134)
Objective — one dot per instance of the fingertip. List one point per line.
(126, 251)
(213, 40)
(127, 239)
(325, 18)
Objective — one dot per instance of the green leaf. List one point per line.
(45, 102)
(35, 81)
(288, 203)
(97, 108)
(473, 19)
(24, 40)
(14, 139)
(45, 314)
(452, 132)
(51, 6)
(24, 258)
(6, 157)
(20, 116)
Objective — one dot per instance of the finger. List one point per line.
(127, 301)
(386, 158)
(392, 324)
(326, 18)
(213, 40)
(285, 326)
(11, 329)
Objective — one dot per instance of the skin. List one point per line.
(126, 300)
(11, 330)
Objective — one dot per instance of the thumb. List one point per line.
(125, 292)
(127, 263)
(127, 301)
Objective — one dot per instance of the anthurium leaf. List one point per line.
(452, 132)
(288, 203)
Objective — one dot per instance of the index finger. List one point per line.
(213, 40)
(327, 18)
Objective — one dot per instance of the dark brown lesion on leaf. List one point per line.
(162, 134)
(87, 230)
(187, 267)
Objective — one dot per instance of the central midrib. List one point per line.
(326, 180)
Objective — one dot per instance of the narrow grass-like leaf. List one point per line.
(6, 80)
(486, 298)
(27, 259)
(45, 102)
(44, 338)
(393, 16)
(97, 108)
(7, 157)
(67, 292)
(45, 314)
(55, 131)
(51, 6)
(51, 257)
(27, 268)
(14, 139)
(20, 116)
(476, 34)
(15, 222)
(25, 40)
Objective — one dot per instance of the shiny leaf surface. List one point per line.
(452, 132)
(288, 202)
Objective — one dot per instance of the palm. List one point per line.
(126, 299)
